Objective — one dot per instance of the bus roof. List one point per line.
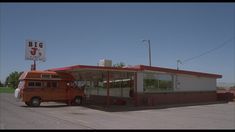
(45, 75)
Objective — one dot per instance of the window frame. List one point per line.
(34, 84)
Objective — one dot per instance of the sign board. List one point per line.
(35, 50)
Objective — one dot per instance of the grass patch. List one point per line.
(6, 90)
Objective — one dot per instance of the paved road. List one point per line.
(15, 115)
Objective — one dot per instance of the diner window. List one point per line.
(158, 82)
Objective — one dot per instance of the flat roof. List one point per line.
(135, 69)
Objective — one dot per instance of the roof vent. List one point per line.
(106, 63)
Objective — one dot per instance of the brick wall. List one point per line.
(153, 99)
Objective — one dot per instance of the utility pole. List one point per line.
(149, 51)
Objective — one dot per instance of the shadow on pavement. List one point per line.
(118, 108)
(48, 105)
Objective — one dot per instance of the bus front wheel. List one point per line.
(35, 102)
(27, 103)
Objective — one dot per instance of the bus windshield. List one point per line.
(21, 84)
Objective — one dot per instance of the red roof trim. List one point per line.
(138, 68)
(93, 68)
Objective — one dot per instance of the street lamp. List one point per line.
(149, 51)
(178, 61)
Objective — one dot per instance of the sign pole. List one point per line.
(34, 64)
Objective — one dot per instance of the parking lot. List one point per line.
(15, 115)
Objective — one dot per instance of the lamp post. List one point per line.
(149, 51)
(178, 61)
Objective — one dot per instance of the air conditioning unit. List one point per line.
(106, 63)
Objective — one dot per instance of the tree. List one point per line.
(13, 79)
(6, 81)
(1, 84)
(120, 64)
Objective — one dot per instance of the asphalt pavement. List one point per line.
(16, 115)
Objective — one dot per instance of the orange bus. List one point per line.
(44, 86)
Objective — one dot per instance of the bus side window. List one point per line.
(38, 84)
(31, 84)
(34, 84)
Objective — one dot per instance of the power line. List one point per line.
(209, 51)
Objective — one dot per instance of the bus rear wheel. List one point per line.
(77, 100)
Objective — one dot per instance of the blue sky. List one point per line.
(84, 33)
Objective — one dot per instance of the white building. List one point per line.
(145, 85)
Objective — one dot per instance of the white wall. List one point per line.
(140, 82)
(194, 83)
